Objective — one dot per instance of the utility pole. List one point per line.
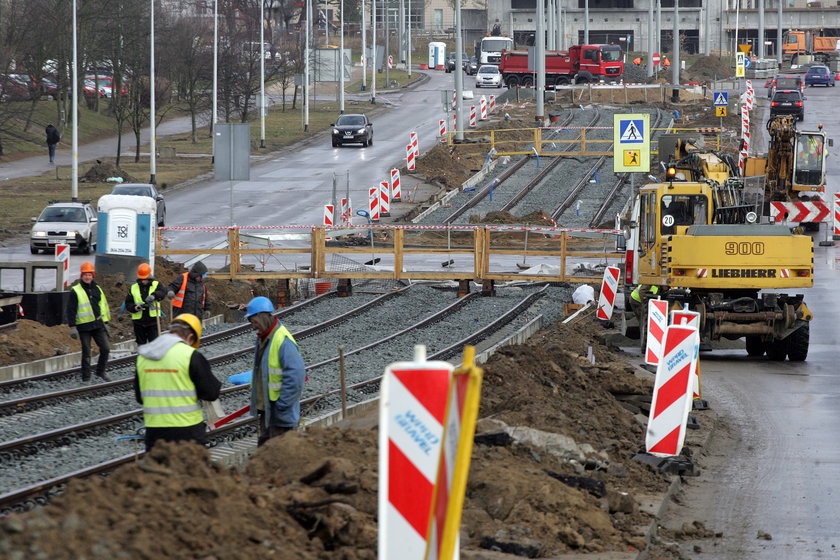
(387, 44)
(74, 112)
(550, 17)
(373, 53)
(707, 38)
(215, 115)
(659, 28)
(651, 44)
(408, 39)
(675, 55)
(585, 22)
(559, 40)
(306, 57)
(779, 53)
(539, 43)
(341, 62)
(761, 47)
(364, 46)
(153, 137)
(262, 74)
(459, 76)
(401, 31)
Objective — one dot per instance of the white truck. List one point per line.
(489, 49)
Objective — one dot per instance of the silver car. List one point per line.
(64, 223)
(488, 76)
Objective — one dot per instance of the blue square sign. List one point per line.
(720, 99)
(631, 131)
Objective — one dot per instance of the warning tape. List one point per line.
(537, 229)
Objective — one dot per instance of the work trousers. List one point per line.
(268, 432)
(144, 333)
(196, 433)
(100, 337)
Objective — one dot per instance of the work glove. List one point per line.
(74, 333)
(170, 294)
(138, 308)
(150, 298)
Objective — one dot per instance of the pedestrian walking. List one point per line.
(278, 374)
(143, 302)
(188, 291)
(53, 138)
(170, 378)
(88, 316)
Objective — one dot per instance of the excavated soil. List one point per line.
(552, 473)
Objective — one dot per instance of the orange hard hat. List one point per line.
(144, 271)
(88, 267)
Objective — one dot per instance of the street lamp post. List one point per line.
(214, 118)
(306, 67)
(74, 189)
(373, 52)
(341, 63)
(262, 74)
(364, 45)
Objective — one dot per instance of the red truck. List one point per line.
(581, 64)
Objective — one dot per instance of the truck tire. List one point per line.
(527, 81)
(797, 344)
(562, 81)
(512, 81)
(776, 349)
(755, 346)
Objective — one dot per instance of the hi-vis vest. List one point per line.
(169, 398)
(178, 300)
(636, 294)
(275, 369)
(84, 310)
(154, 310)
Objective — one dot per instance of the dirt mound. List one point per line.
(34, 341)
(707, 68)
(570, 486)
(102, 171)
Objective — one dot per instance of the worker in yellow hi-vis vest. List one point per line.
(88, 315)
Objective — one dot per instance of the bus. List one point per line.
(489, 49)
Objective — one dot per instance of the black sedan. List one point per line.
(355, 129)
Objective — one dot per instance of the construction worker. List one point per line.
(188, 291)
(88, 316)
(169, 380)
(636, 298)
(143, 302)
(278, 375)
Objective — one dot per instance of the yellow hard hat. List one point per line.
(193, 323)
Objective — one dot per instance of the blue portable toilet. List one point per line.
(126, 235)
(437, 55)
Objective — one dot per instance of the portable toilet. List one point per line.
(437, 55)
(126, 235)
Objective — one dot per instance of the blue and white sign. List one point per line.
(631, 131)
(721, 99)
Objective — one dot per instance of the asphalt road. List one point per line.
(772, 471)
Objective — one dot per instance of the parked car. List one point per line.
(472, 66)
(451, 64)
(17, 87)
(488, 76)
(352, 128)
(145, 189)
(70, 223)
(788, 102)
(819, 75)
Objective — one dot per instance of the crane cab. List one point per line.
(809, 161)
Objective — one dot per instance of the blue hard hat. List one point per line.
(259, 305)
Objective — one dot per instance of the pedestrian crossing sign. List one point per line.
(631, 143)
(721, 99)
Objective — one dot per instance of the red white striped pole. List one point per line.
(483, 107)
(836, 234)
(384, 199)
(329, 213)
(345, 210)
(472, 116)
(409, 158)
(373, 203)
(492, 104)
(396, 193)
(442, 130)
(415, 145)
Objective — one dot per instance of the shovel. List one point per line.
(522, 265)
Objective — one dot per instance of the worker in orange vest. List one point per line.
(188, 291)
(637, 61)
(666, 62)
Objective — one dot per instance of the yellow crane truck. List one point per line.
(698, 237)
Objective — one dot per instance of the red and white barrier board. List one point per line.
(483, 107)
(672, 392)
(797, 212)
(473, 121)
(836, 215)
(657, 322)
(691, 319)
(62, 255)
(609, 287)
(346, 211)
(459, 431)
(412, 408)
(409, 158)
(384, 198)
(396, 192)
(373, 203)
(492, 104)
(442, 130)
(329, 214)
(415, 145)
